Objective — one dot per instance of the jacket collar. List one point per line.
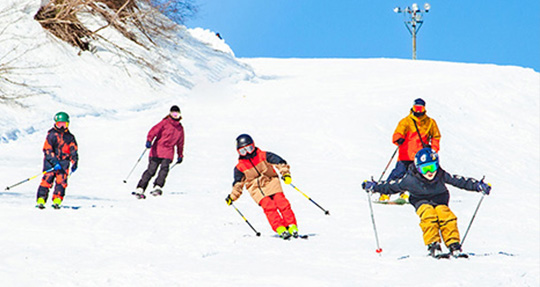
(418, 119)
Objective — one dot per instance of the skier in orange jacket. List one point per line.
(413, 133)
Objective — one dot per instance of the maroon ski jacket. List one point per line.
(165, 136)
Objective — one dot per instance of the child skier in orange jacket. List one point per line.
(60, 149)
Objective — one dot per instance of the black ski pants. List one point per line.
(153, 164)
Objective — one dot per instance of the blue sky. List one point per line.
(501, 32)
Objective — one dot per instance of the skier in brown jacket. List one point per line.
(255, 171)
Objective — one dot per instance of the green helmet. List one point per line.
(61, 117)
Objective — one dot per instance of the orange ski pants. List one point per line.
(278, 210)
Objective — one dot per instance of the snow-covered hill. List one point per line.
(117, 72)
(331, 119)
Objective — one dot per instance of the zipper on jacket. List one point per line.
(258, 178)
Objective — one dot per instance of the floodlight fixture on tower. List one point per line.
(413, 21)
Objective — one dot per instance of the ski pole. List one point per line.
(125, 180)
(387, 165)
(472, 219)
(29, 179)
(379, 250)
(175, 164)
(325, 211)
(256, 232)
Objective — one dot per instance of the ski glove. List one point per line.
(287, 178)
(74, 167)
(57, 166)
(400, 141)
(148, 144)
(483, 187)
(228, 199)
(179, 160)
(368, 185)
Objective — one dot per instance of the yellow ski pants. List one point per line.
(438, 219)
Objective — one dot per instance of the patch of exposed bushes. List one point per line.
(60, 18)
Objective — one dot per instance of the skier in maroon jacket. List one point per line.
(161, 140)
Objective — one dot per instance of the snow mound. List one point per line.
(211, 39)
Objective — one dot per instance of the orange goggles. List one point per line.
(62, 125)
(246, 149)
(418, 109)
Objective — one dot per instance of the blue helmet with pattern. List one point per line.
(426, 160)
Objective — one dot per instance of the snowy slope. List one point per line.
(118, 71)
(331, 119)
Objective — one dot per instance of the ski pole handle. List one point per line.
(29, 179)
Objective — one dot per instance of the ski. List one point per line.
(460, 255)
(470, 254)
(399, 201)
(139, 195)
(440, 256)
(300, 236)
(156, 192)
(450, 255)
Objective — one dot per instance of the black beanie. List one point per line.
(175, 108)
(419, 102)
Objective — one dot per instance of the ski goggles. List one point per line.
(246, 149)
(62, 125)
(428, 167)
(418, 109)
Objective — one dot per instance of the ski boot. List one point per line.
(157, 191)
(435, 251)
(384, 197)
(293, 230)
(283, 232)
(455, 251)
(56, 202)
(139, 193)
(404, 196)
(40, 203)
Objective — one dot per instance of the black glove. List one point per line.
(400, 141)
(368, 185)
(179, 160)
(148, 144)
(228, 199)
(74, 167)
(483, 187)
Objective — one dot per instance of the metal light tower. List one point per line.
(413, 21)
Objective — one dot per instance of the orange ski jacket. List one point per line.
(406, 130)
(60, 146)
